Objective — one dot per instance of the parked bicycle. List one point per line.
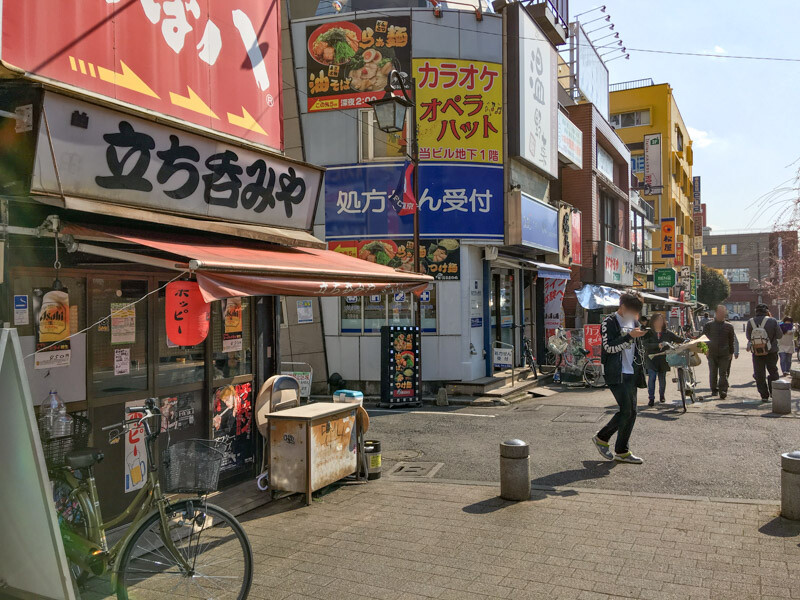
(566, 354)
(184, 547)
(527, 353)
(684, 362)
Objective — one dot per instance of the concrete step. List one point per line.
(484, 385)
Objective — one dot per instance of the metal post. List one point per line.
(415, 162)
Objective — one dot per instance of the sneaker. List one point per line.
(652, 402)
(662, 399)
(765, 399)
(628, 457)
(723, 395)
(713, 392)
(602, 448)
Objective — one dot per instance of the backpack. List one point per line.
(759, 338)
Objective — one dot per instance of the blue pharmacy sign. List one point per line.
(456, 201)
(539, 224)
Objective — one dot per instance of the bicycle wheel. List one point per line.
(209, 539)
(682, 386)
(593, 374)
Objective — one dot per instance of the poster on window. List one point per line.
(459, 110)
(553, 305)
(135, 469)
(349, 61)
(232, 335)
(123, 323)
(592, 339)
(232, 422)
(439, 258)
(177, 412)
(51, 308)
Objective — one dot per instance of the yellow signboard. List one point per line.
(459, 110)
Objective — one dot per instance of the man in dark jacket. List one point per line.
(721, 338)
(621, 356)
(768, 363)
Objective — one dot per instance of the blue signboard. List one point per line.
(539, 224)
(456, 201)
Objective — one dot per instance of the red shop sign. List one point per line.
(187, 314)
(215, 64)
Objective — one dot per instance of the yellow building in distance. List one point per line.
(639, 108)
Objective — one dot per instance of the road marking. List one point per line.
(427, 412)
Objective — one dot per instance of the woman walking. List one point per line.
(786, 345)
(657, 367)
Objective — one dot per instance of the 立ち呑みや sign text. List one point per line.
(136, 162)
(456, 201)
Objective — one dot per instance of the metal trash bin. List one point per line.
(372, 448)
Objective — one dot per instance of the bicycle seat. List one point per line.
(83, 459)
(585, 352)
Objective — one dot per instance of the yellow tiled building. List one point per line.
(640, 108)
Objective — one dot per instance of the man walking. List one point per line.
(621, 356)
(721, 348)
(763, 333)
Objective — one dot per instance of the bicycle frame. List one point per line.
(150, 498)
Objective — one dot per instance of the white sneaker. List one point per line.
(628, 457)
(602, 448)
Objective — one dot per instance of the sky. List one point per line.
(741, 114)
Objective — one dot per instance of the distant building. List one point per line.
(749, 261)
(640, 108)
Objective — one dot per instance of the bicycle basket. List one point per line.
(55, 449)
(191, 467)
(680, 359)
(557, 344)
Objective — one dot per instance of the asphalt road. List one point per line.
(719, 448)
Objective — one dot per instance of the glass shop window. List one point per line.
(119, 342)
(232, 340)
(374, 313)
(177, 365)
(350, 314)
(400, 309)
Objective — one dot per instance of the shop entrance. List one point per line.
(502, 305)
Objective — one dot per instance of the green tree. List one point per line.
(714, 287)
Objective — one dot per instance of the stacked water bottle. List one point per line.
(53, 418)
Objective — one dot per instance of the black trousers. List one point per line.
(765, 368)
(622, 422)
(718, 369)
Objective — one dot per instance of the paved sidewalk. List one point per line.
(411, 540)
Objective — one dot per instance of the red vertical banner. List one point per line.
(678, 254)
(576, 237)
(592, 339)
(187, 314)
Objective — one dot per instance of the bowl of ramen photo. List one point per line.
(334, 43)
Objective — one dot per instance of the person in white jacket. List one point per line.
(786, 345)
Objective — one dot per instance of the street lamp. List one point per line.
(390, 114)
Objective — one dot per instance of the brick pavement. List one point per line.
(404, 540)
(392, 540)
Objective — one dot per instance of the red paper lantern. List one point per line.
(187, 314)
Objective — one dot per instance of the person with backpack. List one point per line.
(721, 348)
(763, 333)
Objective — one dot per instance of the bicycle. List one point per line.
(527, 353)
(183, 547)
(589, 367)
(683, 361)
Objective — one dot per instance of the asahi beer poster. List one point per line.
(123, 323)
(232, 336)
(51, 308)
(135, 453)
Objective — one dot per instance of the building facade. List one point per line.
(486, 127)
(642, 111)
(750, 261)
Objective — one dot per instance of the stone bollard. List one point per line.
(515, 475)
(441, 397)
(782, 397)
(790, 485)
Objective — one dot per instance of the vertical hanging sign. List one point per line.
(187, 314)
(668, 237)
(232, 336)
(135, 457)
(52, 328)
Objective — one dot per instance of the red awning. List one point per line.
(249, 268)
